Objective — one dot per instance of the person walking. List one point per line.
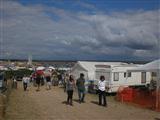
(25, 82)
(81, 87)
(102, 91)
(70, 85)
(65, 81)
(14, 83)
(48, 80)
(38, 81)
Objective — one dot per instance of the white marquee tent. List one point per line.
(153, 66)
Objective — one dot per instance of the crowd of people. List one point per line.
(69, 84)
(72, 84)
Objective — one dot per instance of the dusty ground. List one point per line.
(50, 105)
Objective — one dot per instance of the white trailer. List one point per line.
(116, 73)
(117, 76)
(88, 68)
(93, 71)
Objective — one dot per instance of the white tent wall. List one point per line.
(153, 66)
(91, 75)
(148, 69)
(76, 74)
(77, 69)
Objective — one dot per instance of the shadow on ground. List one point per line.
(95, 102)
(157, 118)
(64, 102)
(76, 100)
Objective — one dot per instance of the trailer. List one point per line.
(88, 68)
(117, 76)
(114, 73)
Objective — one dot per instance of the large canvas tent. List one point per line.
(153, 66)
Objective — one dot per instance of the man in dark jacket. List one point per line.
(81, 87)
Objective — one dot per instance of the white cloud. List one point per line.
(50, 33)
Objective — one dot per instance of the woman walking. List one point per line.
(102, 91)
(70, 85)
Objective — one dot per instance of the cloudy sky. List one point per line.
(80, 29)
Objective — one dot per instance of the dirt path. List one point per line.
(49, 105)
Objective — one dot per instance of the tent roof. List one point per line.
(152, 66)
(40, 68)
(51, 67)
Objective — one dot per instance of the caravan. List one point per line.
(89, 68)
(116, 74)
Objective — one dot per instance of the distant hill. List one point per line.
(63, 61)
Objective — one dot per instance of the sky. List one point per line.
(80, 29)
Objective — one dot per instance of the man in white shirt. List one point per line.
(102, 90)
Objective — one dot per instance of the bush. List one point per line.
(18, 73)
